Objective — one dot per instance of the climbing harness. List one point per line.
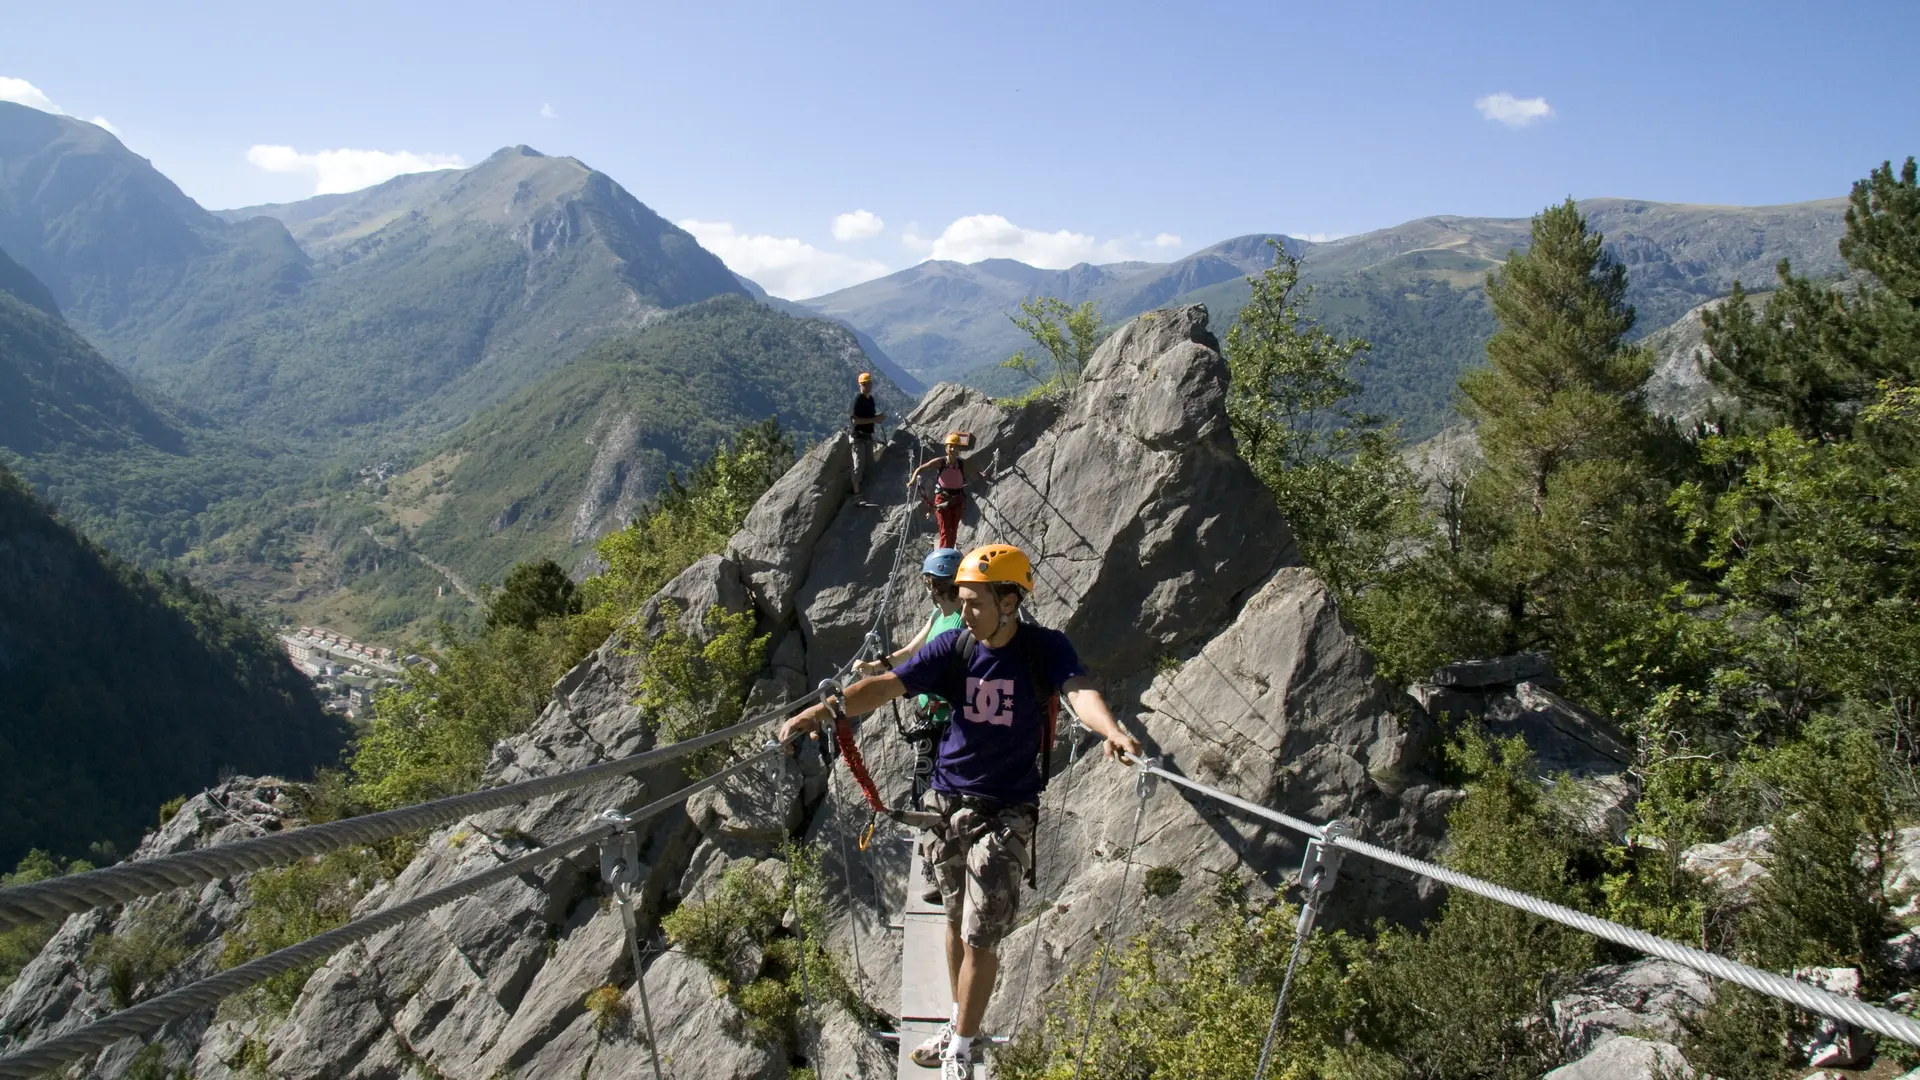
(620, 868)
(1142, 787)
(1318, 873)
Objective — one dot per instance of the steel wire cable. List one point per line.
(1805, 995)
(1100, 974)
(32, 1060)
(58, 897)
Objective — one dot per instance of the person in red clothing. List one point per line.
(949, 492)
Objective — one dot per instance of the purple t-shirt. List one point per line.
(991, 748)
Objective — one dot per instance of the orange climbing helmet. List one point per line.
(866, 378)
(996, 564)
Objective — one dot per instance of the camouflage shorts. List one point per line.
(978, 860)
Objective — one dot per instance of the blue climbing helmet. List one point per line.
(942, 563)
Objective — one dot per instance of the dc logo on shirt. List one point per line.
(990, 701)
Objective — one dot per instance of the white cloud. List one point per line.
(784, 266)
(991, 236)
(859, 225)
(335, 171)
(1514, 112)
(546, 112)
(1321, 237)
(22, 92)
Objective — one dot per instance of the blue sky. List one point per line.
(1076, 131)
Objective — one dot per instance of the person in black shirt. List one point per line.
(865, 415)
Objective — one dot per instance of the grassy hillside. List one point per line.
(549, 470)
(123, 689)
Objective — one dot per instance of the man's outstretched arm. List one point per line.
(1092, 710)
(862, 697)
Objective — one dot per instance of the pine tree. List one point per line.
(1560, 520)
(1335, 471)
(533, 591)
(1816, 353)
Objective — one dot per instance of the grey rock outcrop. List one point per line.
(1646, 997)
(1511, 695)
(1626, 1058)
(1733, 864)
(74, 980)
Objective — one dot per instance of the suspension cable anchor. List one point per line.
(1319, 871)
(619, 853)
(1145, 781)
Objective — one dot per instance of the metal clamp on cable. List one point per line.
(1144, 778)
(1318, 872)
(830, 695)
(869, 647)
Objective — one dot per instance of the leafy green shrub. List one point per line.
(692, 688)
(1162, 881)
(533, 591)
(150, 942)
(609, 1008)
(764, 967)
(293, 903)
(1820, 903)
(21, 944)
(171, 807)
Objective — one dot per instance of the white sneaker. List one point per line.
(928, 1054)
(953, 1068)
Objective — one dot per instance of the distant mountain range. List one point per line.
(1416, 291)
(411, 304)
(534, 348)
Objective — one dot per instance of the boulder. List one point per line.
(1901, 953)
(1626, 1058)
(1733, 864)
(775, 544)
(1646, 996)
(1832, 1042)
(713, 581)
(1571, 743)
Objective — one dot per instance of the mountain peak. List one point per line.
(521, 150)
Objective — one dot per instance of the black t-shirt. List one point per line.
(864, 405)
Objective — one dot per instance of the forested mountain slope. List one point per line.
(132, 468)
(546, 472)
(119, 690)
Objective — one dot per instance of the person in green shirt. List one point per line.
(930, 714)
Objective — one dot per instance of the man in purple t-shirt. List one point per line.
(986, 777)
